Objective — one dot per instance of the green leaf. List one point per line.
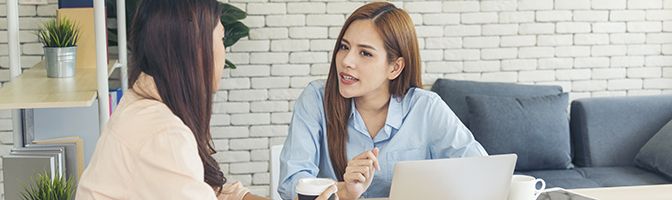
(234, 32)
(231, 13)
(45, 188)
(58, 33)
(229, 65)
(230, 16)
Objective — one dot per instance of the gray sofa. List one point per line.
(605, 134)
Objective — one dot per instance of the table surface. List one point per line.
(647, 192)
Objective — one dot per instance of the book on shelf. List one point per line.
(75, 4)
(110, 104)
(19, 170)
(115, 98)
(57, 152)
(74, 152)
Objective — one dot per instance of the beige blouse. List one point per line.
(147, 152)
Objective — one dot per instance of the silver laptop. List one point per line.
(472, 178)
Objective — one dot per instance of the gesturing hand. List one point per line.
(359, 173)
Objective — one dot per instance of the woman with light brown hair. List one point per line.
(371, 112)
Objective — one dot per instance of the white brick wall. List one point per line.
(589, 47)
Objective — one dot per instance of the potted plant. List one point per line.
(59, 38)
(231, 16)
(46, 188)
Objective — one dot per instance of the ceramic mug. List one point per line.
(525, 187)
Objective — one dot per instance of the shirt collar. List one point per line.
(394, 113)
(394, 118)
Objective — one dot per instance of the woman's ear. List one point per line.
(396, 67)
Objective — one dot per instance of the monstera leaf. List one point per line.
(233, 28)
(231, 16)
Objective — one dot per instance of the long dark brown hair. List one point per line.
(398, 32)
(171, 40)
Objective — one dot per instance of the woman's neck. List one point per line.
(373, 109)
(373, 102)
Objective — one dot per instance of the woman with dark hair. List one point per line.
(157, 144)
(370, 112)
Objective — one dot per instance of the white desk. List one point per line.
(648, 192)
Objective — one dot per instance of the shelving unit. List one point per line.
(34, 90)
(52, 107)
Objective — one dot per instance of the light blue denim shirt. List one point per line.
(419, 126)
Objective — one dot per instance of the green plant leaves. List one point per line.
(233, 32)
(58, 33)
(229, 65)
(231, 13)
(46, 189)
(233, 28)
(230, 18)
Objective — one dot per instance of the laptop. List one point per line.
(471, 178)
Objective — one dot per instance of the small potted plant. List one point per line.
(59, 38)
(46, 188)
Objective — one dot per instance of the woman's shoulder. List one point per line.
(141, 119)
(317, 86)
(420, 96)
(314, 91)
(147, 112)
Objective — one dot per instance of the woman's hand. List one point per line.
(359, 174)
(326, 193)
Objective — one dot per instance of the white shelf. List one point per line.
(33, 89)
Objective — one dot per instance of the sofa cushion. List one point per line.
(610, 131)
(535, 128)
(454, 92)
(656, 155)
(621, 176)
(592, 177)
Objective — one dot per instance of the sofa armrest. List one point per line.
(609, 131)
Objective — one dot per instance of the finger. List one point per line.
(327, 193)
(375, 152)
(373, 155)
(365, 155)
(364, 170)
(354, 178)
(361, 163)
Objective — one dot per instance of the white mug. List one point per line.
(525, 187)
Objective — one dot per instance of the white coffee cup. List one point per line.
(525, 187)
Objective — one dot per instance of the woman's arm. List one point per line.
(300, 155)
(451, 138)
